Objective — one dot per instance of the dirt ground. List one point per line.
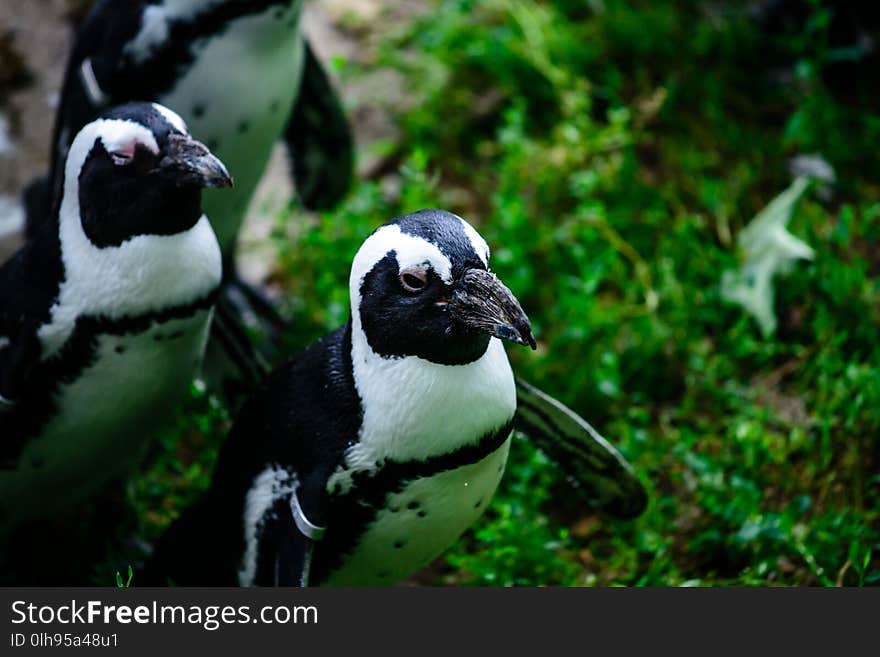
(39, 33)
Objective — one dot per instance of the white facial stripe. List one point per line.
(115, 134)
(119, 135)
(477, 242)
(409, 250)
(172, 117)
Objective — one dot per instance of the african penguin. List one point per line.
(242, 76)
(368, 455)
(104, 312)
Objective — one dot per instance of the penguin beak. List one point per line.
(482, 302)
(188, 162)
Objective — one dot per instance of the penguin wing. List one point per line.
(257, 523)
(319, 139)
(28, 285)
(284, 552)
(37, 203)
(18, 355)
(595, 468)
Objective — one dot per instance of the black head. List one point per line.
(136, 171)
(420, 286)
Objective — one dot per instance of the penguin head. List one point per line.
(136, 171)
(420, 285)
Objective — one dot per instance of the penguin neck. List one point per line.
(145, 274)
(414, 409)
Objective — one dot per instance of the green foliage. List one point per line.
(120, 584)
(178, 472)
(611, 152)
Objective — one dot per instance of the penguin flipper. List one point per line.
(592, 465)
(24, 302)
(37, 203)
(16, 362)
(233, 364)
(319, 139)
(284, 554)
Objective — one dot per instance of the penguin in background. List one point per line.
(243, 77)
(367, 456)
(104, 314)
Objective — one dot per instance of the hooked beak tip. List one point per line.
(484, 303)
(521, 334)
(221, 179)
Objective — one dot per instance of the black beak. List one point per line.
(482, 302)
(188, 162)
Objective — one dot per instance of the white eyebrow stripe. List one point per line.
(477, 242)
(172, 117)
(408, 249)
(116, 134)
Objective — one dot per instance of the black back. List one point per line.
(303, 418)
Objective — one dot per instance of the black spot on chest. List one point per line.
(38, 402)
(350, 514)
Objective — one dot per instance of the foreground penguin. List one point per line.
(366, 457)
(104, 313)
(241, 75)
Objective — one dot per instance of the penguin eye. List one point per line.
(414, 279)
(123, 154)
(133, 151)
(121, 158)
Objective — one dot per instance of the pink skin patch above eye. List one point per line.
(124, 153)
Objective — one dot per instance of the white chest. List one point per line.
(106, 416)
(236, 98)
(416, 411)
(421, 522)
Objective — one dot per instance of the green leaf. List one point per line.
(768, 249)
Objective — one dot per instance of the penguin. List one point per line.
(104, 313)
(369, 454)
(243, 78)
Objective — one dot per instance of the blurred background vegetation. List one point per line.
(611, 152)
